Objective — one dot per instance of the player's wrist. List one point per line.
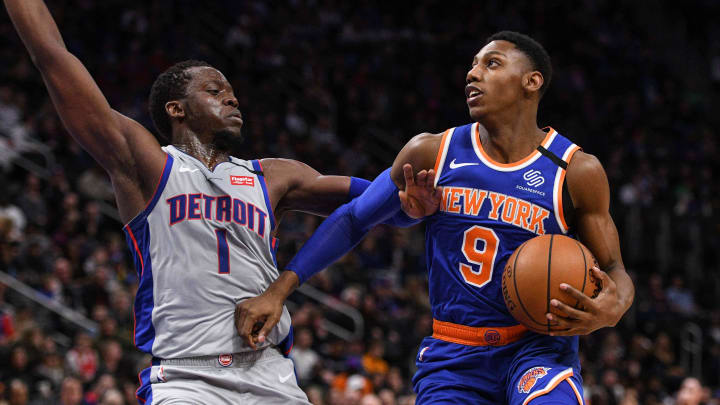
(284, 285)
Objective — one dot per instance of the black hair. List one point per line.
(538, 56)
(170, 85)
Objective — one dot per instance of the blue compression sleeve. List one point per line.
(346, 227)
(357, 187)
(401, 220)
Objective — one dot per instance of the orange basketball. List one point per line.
(533, 275)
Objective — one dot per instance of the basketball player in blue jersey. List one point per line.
(504, 181)
(200, 223)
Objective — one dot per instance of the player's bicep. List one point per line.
(420, 152)
(590, 192)
(306, 189)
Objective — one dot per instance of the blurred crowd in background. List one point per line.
(342, 86)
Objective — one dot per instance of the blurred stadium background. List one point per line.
(342, 86)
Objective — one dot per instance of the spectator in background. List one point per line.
(691, 392)
(18, 392)
(82, 359)
(71, 392)
(305, 358)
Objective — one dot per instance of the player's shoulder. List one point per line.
(583, 165)
(586, 180)
(282, 165)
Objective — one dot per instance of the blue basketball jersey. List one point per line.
(488, 209)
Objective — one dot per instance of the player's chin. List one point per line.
(229, 138)
(476, 112)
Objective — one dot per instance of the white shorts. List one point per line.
(258, 377)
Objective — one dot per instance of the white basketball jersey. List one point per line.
(203, 243)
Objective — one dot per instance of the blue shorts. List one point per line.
(536, 369)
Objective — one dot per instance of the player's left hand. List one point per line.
(420, 197)
(255, 318)
(592, 313)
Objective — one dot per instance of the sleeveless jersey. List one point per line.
(488, 209)
(203, 243)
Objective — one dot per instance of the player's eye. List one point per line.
(214, 92)
(492, 62)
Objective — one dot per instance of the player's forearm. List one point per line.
(36, 28)
(346, 227)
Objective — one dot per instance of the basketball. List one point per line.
(533, 275)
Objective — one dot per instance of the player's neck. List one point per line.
(206, 152)
(511, 140)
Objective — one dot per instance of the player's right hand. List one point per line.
(420, 197)
(255, 318)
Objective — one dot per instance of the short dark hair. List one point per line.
(538, 56)
(170, 85)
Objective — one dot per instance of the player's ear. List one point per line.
(533, 81)
(175, 109)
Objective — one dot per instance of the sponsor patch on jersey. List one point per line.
(528, 380)
(242, 181)
(225, 359)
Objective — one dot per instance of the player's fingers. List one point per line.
(241, 325)
(430, 178)
(605, 279)
(408, 173)
(437, 193)
(247, 324)
(573, 313)
(269, 324)
(566, 332)
(585, 301)
(421, 178)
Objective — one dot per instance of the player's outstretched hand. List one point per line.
(592, 313)
(420, 197)
(255, 317)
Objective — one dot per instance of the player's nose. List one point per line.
(474, 74)
(231, 101)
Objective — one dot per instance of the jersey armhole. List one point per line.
(566, 208)
(442, 153)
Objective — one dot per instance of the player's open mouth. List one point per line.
(472, 93)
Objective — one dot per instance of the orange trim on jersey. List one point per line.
(137, 249)
(474, 336)
(550, 387)
(438, 158)
(577, 393)
(561, 214)
(513, 164)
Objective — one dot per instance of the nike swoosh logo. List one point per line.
(184, 169)
(287, 377)
(454, 165)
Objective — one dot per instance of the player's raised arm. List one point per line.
(122, 146)
(590, 193)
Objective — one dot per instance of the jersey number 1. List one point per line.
(223, 251)
(485, 257)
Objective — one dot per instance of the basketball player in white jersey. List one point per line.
(200, 223)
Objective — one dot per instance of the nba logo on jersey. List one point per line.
(225, 359)
(528, 380)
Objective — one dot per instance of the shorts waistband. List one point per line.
(474, 336)
(223, 360)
